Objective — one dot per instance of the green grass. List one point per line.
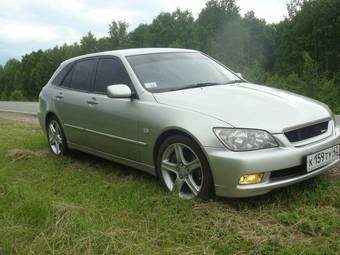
(81, 204)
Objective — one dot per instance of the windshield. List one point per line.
(162, 72)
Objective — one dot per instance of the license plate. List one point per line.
(322, 158)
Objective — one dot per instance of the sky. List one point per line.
(28, 25)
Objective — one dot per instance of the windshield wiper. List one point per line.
(235, 81)
(205, 84)
(197, 85)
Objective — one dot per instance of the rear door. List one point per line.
(71, 99)
(113, 120)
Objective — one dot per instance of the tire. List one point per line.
(183, 168)
(56, 139)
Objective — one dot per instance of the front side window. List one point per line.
(82, 74)
(110, 71)
(178, 70)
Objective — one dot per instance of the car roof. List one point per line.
(129, 52)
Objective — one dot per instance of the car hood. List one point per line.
(247, 105)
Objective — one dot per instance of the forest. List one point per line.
(300, 54)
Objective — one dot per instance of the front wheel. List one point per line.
(182, 168)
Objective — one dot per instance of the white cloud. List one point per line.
(14, 32)
(272, 11)
(91, 13)
(27, 25)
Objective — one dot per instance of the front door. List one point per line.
(112, 121)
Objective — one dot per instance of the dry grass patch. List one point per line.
(23, 154)
(335, 171)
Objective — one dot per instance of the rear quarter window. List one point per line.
(57, 81)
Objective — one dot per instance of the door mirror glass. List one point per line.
(119, 91)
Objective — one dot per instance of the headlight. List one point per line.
(237, 139)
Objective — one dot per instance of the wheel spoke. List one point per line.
(179, 154)
(57, 147)
(178, 184)
(53, 131)
(59, 139)
(168, 166)
(192, 185)
(51, 139)
(193, 165)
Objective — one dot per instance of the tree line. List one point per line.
(300, 53)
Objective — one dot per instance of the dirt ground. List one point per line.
(28, 118)
(32, 119)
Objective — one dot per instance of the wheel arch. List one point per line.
(171, 132)
(48, 115)
(178, 131)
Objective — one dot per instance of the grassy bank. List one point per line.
(81, 204)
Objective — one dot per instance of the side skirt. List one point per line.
(140, 166)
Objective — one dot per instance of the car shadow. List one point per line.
(284, 196)
(105, 166)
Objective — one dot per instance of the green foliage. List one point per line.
(118, 35)
(310, 75)
(88, 44)
(310, 84)
(300, 54)
(313, 26)
(17, 95)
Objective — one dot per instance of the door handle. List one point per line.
(92, 101)
(59, 97)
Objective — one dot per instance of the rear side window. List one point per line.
(67, 80)
(61, 75)
(82, 74)
(110, 71)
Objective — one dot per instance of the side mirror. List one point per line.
(118, 91)
(239, 75)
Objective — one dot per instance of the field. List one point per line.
(80, 204)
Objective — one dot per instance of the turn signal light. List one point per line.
(251, 178)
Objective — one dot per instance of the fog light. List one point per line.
(251, 178)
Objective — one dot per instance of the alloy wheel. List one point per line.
(55, 137)
(181, 170)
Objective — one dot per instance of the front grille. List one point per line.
(288, 172)
(307, 132)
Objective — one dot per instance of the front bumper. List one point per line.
(227, 167)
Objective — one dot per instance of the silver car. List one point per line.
(184, 117)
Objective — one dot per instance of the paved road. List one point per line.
(22, 107)
(32, 108)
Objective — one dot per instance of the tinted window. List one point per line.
(60, 76)
(67, 80)
(82, 74)
(110, 71)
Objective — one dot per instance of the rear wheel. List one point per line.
(182, 168)
(56, 137)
